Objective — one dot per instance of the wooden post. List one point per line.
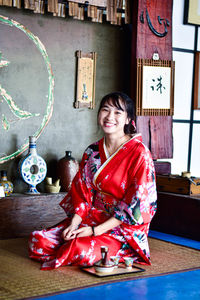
(152, 33)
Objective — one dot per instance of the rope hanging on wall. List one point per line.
(113, 10)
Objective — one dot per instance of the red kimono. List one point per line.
(122, 185)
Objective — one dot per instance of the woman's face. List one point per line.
(112, 119)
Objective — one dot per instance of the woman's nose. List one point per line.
(110, 115)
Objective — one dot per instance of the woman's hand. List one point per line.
(83, 231)
(68, 233)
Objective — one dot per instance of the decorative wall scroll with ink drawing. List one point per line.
(155, 87)
(85, 82)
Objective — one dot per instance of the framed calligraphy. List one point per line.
(155, 87)
(191, 12)
(85, 83)
(197, 81)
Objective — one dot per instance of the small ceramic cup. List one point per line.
(115, 259)
(128, 262)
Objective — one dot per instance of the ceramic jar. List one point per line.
(66, 170)
(7, 185)
(32, 167)
(104, 265)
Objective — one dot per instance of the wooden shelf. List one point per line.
(20, 214)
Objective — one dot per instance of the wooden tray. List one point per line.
(118, 271)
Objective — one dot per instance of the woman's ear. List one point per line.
(127, 121)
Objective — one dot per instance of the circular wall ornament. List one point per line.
(13, 107)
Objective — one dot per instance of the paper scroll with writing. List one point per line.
(86, 73)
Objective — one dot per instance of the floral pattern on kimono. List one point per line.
(121, 186)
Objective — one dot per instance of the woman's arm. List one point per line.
(106, 226)
(99, 229)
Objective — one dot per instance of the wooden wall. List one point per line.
(156, 131)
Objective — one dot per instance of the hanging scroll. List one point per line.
(155, 87)
(85, 84)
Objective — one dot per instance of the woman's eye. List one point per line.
(118, 112)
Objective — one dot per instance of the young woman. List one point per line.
(112, 199)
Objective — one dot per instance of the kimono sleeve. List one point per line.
(139, 203)
(80, 195)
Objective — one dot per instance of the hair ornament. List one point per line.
(133, 123)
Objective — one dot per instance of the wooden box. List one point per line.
(178, 184)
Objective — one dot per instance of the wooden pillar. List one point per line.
(147, 40)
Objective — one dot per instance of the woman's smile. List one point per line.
(109, 124)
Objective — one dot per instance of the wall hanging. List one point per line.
(17, 115)
(155, 87)
(85, 82)
(191, 12)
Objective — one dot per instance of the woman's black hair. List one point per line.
(115, 98)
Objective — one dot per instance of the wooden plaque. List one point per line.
(86, 74)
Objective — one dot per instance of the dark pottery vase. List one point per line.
(66, 170)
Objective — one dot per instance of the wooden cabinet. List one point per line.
(21, 214)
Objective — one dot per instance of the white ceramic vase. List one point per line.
(32, 167)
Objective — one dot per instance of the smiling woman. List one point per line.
(112, 198)
(116, 119)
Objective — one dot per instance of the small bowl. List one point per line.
(104, 269)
